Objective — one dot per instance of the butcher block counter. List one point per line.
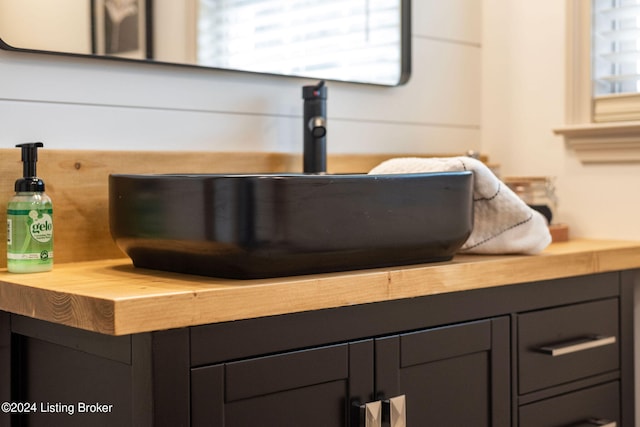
(115, 298)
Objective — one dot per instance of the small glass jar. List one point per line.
(539, 192)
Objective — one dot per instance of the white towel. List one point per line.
(503, 223)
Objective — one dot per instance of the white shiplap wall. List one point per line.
(76, 103)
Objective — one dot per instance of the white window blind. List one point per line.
(616, 59)
(334, 39)
(616, 40)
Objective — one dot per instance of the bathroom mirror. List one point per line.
(364, 41)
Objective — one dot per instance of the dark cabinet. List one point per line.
(450, 376)
(568, 365)
(594, 406)
(556, 353)
(565, 344)
(308, 387)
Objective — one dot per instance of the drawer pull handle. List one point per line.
(577, 345)
(598, 422)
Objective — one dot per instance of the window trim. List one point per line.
(617, 108)
(602, 142)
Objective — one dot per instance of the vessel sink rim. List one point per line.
(289, 175)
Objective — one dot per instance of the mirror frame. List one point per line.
(405, 52)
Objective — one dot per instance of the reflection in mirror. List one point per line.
(366, 41)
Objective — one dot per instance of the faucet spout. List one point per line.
(315, 128)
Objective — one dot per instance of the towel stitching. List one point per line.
(502, 232)
(488, 199)
(481, 199)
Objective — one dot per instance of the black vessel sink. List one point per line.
(267, 225)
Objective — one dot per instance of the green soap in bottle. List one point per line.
(29, 219)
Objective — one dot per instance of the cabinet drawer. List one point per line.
(564, 344)
(581, 408)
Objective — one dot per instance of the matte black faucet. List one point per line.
(315, 128)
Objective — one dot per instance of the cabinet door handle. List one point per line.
(598, 422)
(395, 410)
(371, 414)
(577, 345)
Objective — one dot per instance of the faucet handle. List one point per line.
(317, 91)
(318, 126)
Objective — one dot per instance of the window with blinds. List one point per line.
(616, 59)
(356, 40)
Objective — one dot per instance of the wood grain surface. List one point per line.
(113, 297)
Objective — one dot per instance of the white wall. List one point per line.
(523, 90)
(81, 103)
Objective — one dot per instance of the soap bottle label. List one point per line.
(30, 237)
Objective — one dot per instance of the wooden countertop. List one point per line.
(113, 297)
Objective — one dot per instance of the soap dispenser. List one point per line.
(29, 219)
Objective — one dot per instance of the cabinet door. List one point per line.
(450, 376)
(312, 388)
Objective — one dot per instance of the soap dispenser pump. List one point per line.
(29, 219)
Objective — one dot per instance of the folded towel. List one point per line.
(503, 223)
